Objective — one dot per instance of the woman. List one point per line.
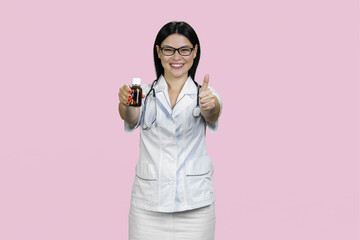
(173, 195)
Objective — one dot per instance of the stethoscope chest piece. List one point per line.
(196, 111)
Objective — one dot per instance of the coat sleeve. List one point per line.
(214, 125)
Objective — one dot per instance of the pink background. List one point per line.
(286, 153)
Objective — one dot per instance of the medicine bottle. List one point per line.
(136, 93)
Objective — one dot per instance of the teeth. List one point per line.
(176, 65)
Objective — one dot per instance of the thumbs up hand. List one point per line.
(207, 99)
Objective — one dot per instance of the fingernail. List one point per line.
(129, 96)
(127, 103)
(129, 91)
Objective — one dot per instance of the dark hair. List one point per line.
(180, 28)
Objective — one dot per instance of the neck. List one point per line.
(175, 83)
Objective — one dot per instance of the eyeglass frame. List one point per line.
(176, 49)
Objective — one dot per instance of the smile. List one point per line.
(177, 65)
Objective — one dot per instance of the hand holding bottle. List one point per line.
(131, 96)
(126, 98)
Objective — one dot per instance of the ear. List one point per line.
(195, 50)
(158, 51)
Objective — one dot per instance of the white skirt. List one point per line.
(193, 224)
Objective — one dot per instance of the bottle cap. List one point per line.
(136, 81)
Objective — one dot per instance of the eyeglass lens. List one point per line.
(168, 51)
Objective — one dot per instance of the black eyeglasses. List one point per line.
(183, 51)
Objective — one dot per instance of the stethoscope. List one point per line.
(195, 113)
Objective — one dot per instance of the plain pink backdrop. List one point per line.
(287, 149)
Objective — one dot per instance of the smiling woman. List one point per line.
(173, 193)
(176, 66)
(177, 35)
(177, 56)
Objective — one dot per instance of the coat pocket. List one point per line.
(145, 183)
(199, 183)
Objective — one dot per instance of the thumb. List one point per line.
(205, 82)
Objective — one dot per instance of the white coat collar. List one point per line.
(188, 88)
(185, 98)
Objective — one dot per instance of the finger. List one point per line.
(205, 96)
(208, 106)
(205, 83)
(124, 99)
(126, 88)
(207, 102)
(205, 93)
(123, 95)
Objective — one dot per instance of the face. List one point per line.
(176, 66)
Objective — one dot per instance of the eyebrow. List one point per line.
(179, 47)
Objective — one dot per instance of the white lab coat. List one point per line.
(174, 171)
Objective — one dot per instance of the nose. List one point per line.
(177, 54)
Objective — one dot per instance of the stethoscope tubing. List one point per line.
(196, 110)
